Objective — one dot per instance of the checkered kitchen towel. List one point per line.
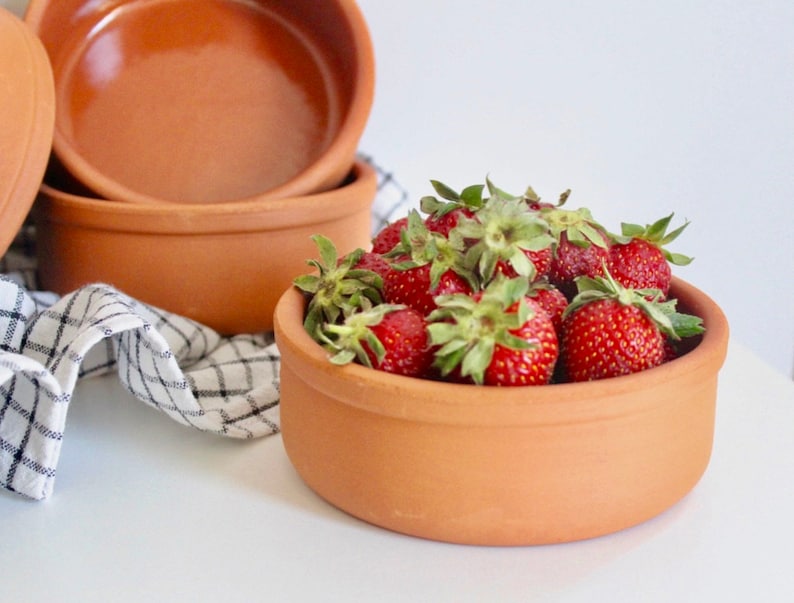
(223, 385)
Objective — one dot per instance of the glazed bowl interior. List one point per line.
(202, 102)
(500, 465)
(224, 265)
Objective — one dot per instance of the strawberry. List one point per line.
(581, 248)
(506, 237)
(609, 330)
(443, 216)
(534, 202)
(551, 300)
(426, 264)
(338, 287)
(638, 259)
(530, 198)
(498, 336)
(388, 337)
(389, 236)
(415, 285)
(374, 262)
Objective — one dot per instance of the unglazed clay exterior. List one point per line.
(224, 265)
(500, 466)
(180, 101)
(27, 113)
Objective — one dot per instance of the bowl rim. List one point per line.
(441, 402)
(356, 193)
(312, 178)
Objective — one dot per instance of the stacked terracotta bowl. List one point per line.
(198, 146)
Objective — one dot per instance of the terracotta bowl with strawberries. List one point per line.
(500, 370)
(500, 465)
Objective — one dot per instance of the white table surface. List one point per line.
(145, 509)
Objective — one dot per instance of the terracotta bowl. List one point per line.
(202, 102)
(27, 101)
(499, 466)
(224, 265)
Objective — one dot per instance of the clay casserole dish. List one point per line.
(497, 465)
(222, 264)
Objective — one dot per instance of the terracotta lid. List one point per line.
(27, 117)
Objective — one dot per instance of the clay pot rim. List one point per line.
(233, 217)
(310, 179)
(420, 400)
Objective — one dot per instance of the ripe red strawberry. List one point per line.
(498, 336)
(606, 338)
(426, 264)
(638, 259)
(671, 351)
(574, 259)
(581, 247)
(415, 286)
(389, 236)
(506, 237)
(373, 261)
(551, 300)
(609, 330)
(445, 222)
(443, 216)
(388, 337)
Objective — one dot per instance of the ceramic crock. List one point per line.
(223, 264)
(499, 466)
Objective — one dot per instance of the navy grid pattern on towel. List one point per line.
(222, 385)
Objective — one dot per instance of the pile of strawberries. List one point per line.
(485, 287)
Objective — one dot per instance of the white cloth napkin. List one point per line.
(221, 385)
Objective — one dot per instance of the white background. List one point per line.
(641, 108)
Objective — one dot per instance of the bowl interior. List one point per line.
(197, 102)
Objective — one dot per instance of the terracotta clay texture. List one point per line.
(27, 113)
(499, 466)
(224, 265)
(200, 102)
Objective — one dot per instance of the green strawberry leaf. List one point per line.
(655, 232)
(676, 258)
(477, 359)
(444, 191)
(686, 325)
(472, 196)
(497, 192)
(346, 357)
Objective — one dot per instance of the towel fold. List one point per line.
(221, 385)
